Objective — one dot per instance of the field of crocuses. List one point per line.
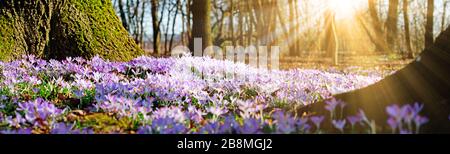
(188, 95)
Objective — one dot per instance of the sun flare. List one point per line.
(345, 8)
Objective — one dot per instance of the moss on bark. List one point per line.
(11, 46)
(60, 28)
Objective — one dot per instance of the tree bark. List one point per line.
(331, 39)
(407, 31)
(444, 16)
(123, 17)
(429, 37)
(391, 24)
(241, 14)
(378, 39)
(178, 8)
(55, 29)
(231, 19)
(156, 27)
(201, 27)
(294, 24)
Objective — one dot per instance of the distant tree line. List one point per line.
(401, 27)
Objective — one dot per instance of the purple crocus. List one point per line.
(173, 95)
(250, 126)
(168, 126)
(420, 120)
(62, 128)
(339, 124)
(405, 131)
(39, 112)
(230, 125)
(396, 111)
(393, 123)
(15, 122)
(317, 120)
(216, 110)
(285, 123)
(17, 131)
(210, 128)
(417, 107)
(302, 124)
(331, 105)
(354, 119)
(144, 130)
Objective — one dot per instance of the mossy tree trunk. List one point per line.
(60, 28)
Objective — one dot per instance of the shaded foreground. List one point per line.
(425, 80)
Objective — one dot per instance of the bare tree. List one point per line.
(201, 23)
(429, 38)
(331, 40)
(391, 24)
(156, 22)
(444, 15)
(123, 15)
(407, 31)
(178, 7)
(378, 39)
(231, 20)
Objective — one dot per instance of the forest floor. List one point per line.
(382, 64)
(188, 95)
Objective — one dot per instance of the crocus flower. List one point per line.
(302, 124)
(331, 105)
(173, 95)
(216, 110)
(393, 123)
(405, 131)
(17, 131)
(419, 121)
(285, 123)
(250, 126)
(144, 130)
(353, 120)
(339, 124)
(396, 111)
(317, 120)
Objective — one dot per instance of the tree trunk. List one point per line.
(378, 39)
(426, 80)
(251, 22)
(444, 16)
(294, 24)
(178, 8)
(331, 40)
(231, 21)
(188, 20)
(429, 37)
(156, 27)
(407, 32)
(141, 33)
(391, 24)
(241, 14)
(201, 27)
(60, 28)
(123, 17)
